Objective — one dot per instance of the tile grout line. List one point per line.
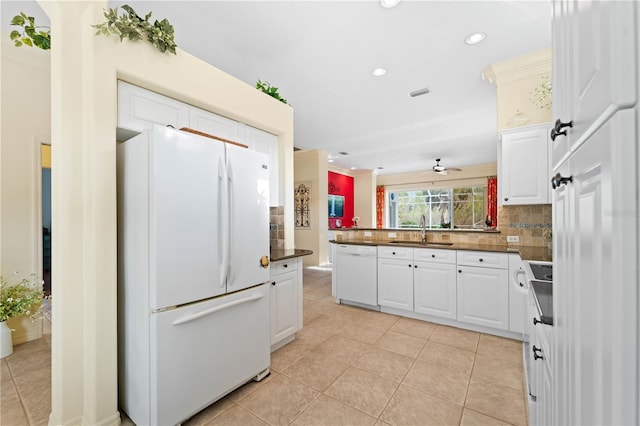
(18, 393)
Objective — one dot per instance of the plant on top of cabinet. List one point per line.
(31, 34)
(270, 90)
(133, 27)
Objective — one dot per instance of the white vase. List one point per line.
(6, 344)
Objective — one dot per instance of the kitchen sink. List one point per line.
(421, 244)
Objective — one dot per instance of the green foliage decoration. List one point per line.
(20, 298)
(270, 90)
(130, 25)
(30, 34)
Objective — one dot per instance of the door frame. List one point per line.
(37, 203)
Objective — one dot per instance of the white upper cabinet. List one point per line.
(267, 143)
(139, 109)
(595, 72)
(523, 166)
(214, 124)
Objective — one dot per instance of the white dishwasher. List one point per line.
(356, 273)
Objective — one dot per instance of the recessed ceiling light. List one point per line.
(475, 38)
(379, 72)
(388, 4)
(331, 161)
(353, 168)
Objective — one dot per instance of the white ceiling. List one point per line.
(321, 53)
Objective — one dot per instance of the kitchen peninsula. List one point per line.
(466, 279)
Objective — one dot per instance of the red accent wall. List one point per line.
(342, 185)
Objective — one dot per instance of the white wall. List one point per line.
(25, 122)
(311, 166)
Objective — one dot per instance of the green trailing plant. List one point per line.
(130, 25)
(270, 90)
(21, 298)
(30, 34)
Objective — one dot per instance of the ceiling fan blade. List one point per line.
(454, 169)
(442, 172)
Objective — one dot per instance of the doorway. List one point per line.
(45, 164)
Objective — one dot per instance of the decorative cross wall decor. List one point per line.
(302, 195)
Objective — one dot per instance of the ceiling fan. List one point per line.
(442, 170)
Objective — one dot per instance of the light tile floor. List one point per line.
(347, 366)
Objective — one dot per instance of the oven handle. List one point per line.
(522, 289)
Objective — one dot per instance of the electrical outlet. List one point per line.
(391, 234)
(513, 239)
(367, 233)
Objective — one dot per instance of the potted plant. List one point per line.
(25, 298)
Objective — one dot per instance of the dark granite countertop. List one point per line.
(526, 252)
(282, 254)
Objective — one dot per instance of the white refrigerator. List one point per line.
(193, 306)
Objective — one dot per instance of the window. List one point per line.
(442, 207)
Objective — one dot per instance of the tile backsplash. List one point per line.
(530, 223)
(276, 227)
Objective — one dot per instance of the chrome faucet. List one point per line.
(423, 230)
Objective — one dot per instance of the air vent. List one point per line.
(419, 92)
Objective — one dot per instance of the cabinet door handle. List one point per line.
(273, 283)
(409, 265)
(558, 180)
(506, 198)
(557, 129)
(459, 271)
(415, 266)
(535, 353)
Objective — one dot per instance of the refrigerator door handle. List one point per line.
(215, 309)
(232, 220)
(223, 221)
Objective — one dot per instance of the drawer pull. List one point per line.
(481, 260)
(433, 255)
(393, 252)
(285, 265)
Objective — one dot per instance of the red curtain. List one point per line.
(492, 201)
(379, 207)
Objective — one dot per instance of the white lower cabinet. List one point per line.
(434, 283)
(395, 283)
(518, 293)
(286, 301)
(483, 296)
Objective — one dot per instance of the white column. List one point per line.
(84, 346)
(364, 194)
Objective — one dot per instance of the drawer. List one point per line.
(434, 255)
(283, 266)
(484, 259)
(404, 253)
